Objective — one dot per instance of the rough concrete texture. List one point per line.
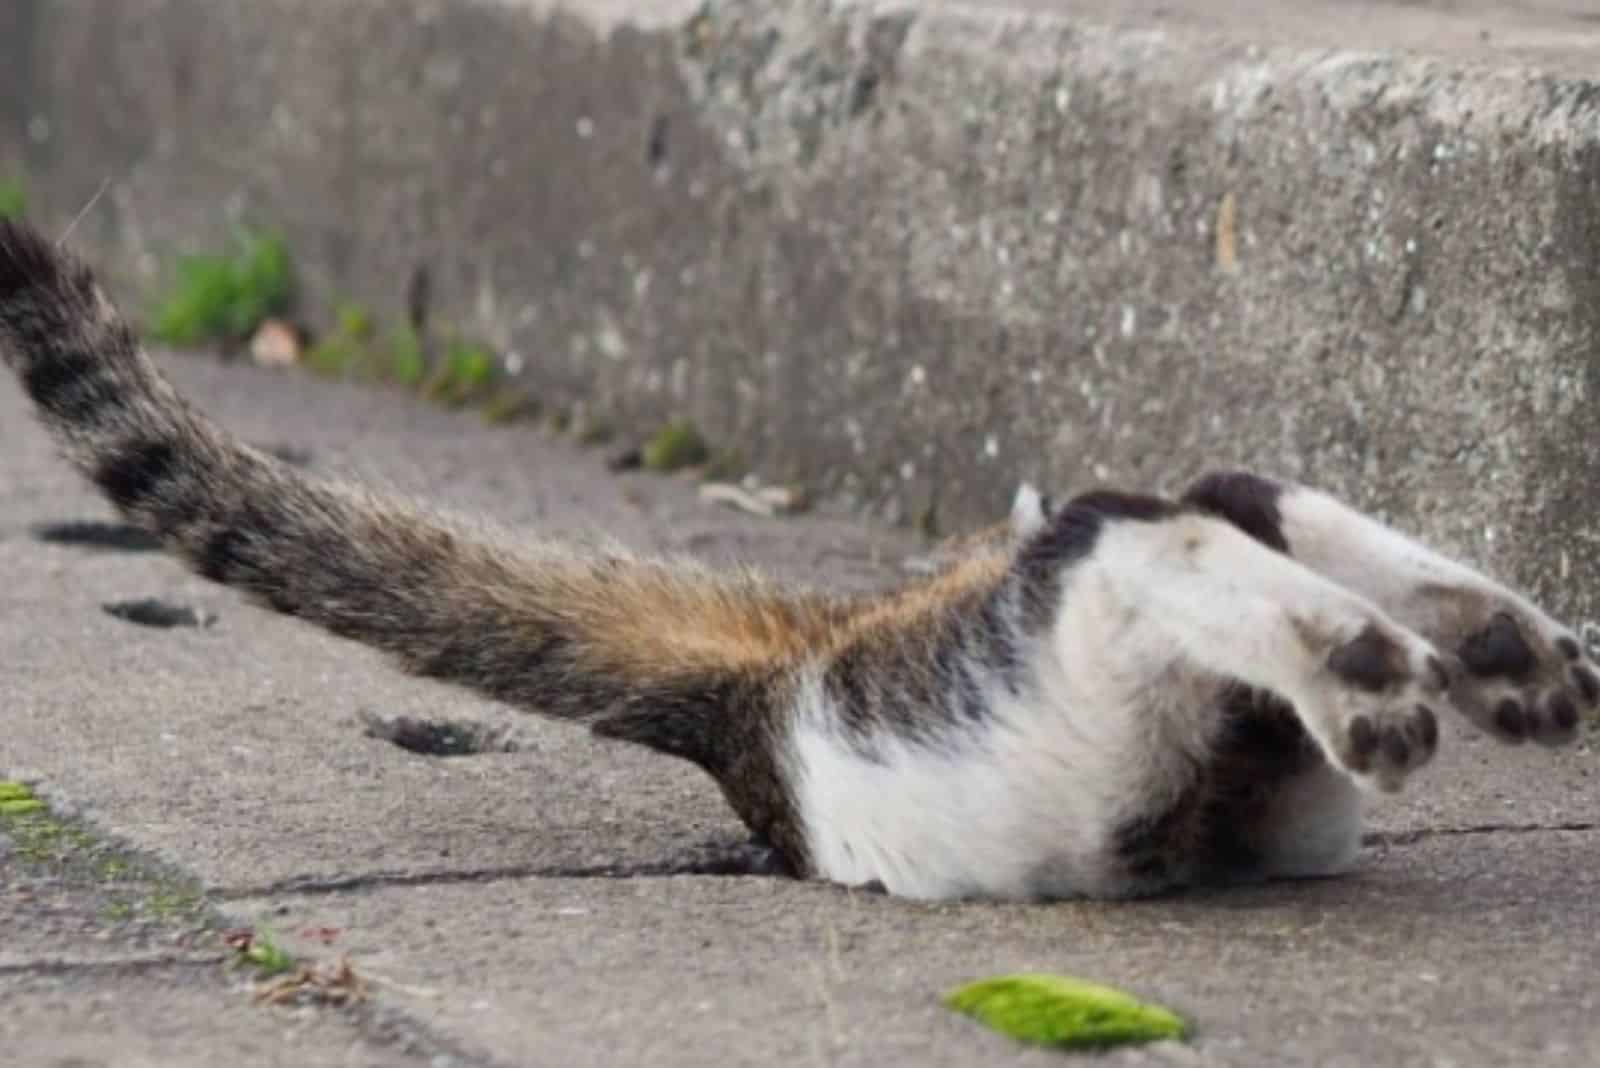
(146, 1018)
(910, 253)
(117, 967)
(1447, 953)
(526, 907)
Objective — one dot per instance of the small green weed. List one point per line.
(260, 951)
(132, 889)
(223, 298)
(13, 198)
(466, 370)
(674, 447)
(39, 837)
(408, 360)
(346, 349)
(354, 322)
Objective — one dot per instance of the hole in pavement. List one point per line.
(96, 534)
(655, 152)
(154, 612)
(438, 737)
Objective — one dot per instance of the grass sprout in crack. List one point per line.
(97, 534)
(154, 612)
(438, 738)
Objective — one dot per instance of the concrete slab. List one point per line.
(106, 960)
(1464, 951)
(164, 1018)
(59, 924)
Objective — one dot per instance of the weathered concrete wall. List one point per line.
(909, 257)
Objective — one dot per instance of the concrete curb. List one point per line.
(906, 255)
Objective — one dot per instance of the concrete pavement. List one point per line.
(521, 907)
(908, 255)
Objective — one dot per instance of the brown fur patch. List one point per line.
(916, 602)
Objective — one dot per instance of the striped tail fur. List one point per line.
(652, 651)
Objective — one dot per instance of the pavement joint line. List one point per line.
(1403, 838)
(317, 885)
(49, 966)
(314, 886)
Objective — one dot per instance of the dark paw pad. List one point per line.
(1509, 719)
(1395, 747)
(1363, 742)
(1498, 650)
(1370, 661)
(1563, 713)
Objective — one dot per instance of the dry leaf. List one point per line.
(335, 983)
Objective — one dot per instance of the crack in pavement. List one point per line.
(728, 860)
(1403, 838)
(112, 966)
(732, 861)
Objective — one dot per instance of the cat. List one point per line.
(1120, 695)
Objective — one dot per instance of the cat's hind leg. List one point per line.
(1516, 672)
(1362, 684)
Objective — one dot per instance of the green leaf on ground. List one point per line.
(1055, 1010)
